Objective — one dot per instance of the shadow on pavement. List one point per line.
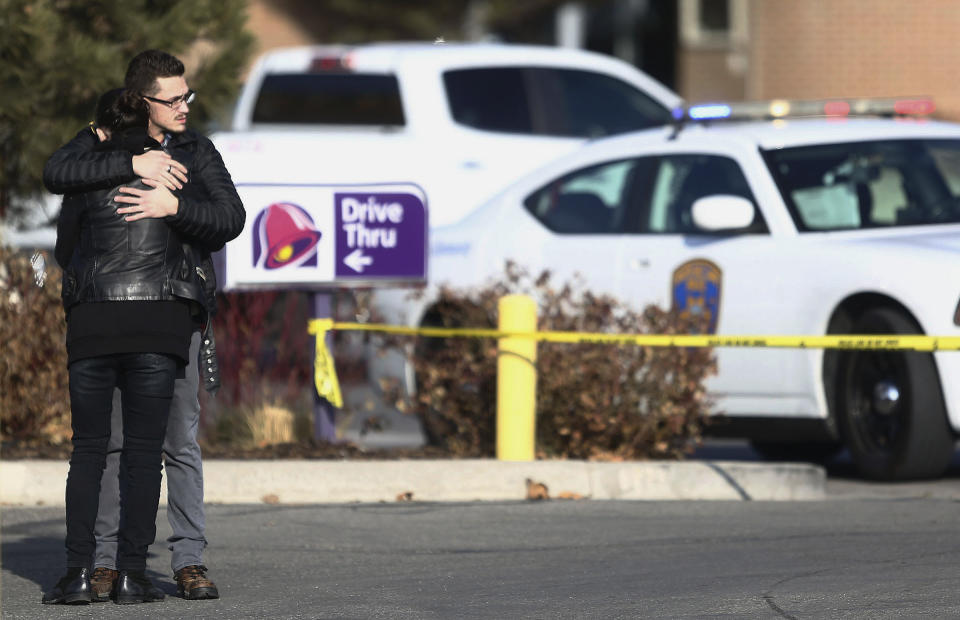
(40, 559)
(37, 559)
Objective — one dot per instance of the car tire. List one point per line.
(892, 414)
(803, 452)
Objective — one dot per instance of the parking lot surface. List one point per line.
(575, 559)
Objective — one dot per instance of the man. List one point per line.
(206, 212)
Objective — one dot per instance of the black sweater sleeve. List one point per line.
(76, 167)
(219, 215)
(68, 230)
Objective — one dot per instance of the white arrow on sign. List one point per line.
(357, 261)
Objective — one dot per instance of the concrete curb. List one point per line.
(31, 483)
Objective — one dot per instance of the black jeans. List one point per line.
(146, 386)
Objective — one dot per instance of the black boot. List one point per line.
(134, 587)
(72, 589)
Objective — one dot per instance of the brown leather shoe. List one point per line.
(102, 582)
(192, 583)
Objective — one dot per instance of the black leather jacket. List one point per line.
(116, 260)
(210, 212)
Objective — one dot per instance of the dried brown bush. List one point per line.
(265, 366)
(594, 401)
(263, 352)
(34, 394)
(262, 346)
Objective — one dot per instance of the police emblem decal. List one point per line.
(696, 292)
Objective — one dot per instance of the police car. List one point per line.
(767, 223)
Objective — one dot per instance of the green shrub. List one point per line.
(594, 401)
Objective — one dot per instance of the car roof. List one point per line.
(785, 133)
(742, 136)
(453, 52)
(388, 56)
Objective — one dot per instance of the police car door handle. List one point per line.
(639, 263)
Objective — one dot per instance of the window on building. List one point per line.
(714, 15)
(712, 23)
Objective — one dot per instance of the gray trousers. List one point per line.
(184, 476)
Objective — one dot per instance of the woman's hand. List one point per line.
(155, 203)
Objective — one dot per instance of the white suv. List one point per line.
(461, 120)
(791, 226)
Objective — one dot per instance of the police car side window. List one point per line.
(681, 180)
(589, 201)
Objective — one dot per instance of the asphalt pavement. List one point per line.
(546, 559)
(407, 539)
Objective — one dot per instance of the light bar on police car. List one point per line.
(783, 108)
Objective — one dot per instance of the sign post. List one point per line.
(322, 238)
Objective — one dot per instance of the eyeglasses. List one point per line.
(188, 97)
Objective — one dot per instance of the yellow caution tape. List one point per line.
(837, 341)
(324, 372)
(329, 388)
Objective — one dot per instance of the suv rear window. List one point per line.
(550, 102)
(329, 99)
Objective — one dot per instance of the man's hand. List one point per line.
(156, 203)
(159, 166)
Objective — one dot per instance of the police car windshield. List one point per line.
(860, 185)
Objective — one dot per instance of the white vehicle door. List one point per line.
(729, 280)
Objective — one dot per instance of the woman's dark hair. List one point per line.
(115, 111)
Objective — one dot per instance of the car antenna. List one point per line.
(679, 118)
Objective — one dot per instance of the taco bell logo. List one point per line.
(284, 235)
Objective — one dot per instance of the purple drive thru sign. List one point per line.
(323, 237)
(380, 235)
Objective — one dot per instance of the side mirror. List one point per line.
(722, 212)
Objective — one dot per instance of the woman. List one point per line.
(127, 329)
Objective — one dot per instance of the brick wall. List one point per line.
(855, 48)
(272, 28)
(705, 75)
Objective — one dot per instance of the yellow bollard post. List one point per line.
(516, 380)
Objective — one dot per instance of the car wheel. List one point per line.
(892, 413)
(804, 452)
